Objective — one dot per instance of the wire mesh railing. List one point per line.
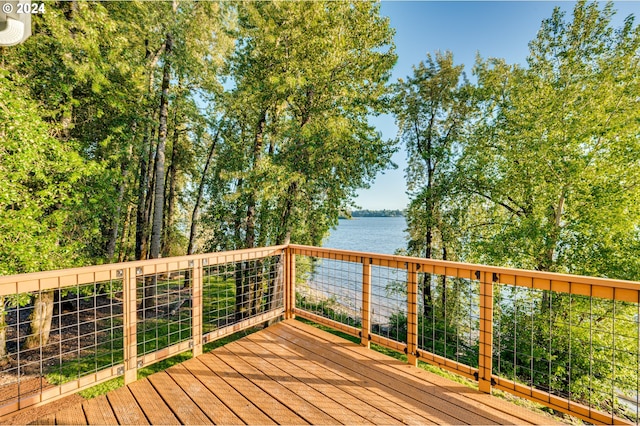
(571, 343)
(64, 331)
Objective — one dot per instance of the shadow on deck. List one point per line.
(292, 373)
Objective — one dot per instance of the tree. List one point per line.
(39, 198)
(298, 144)
(553, 158)
(551, 174)
(432, 109)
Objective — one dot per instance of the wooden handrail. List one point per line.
(488, 277)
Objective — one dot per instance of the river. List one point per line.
(372, 234)
(342, 281)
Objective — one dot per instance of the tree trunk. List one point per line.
(196, 207)
(123, 253)
(170, 193)
(443, 294)
(4, 356)
(250, 282)
(156, 231)
(40, 320)
(141, 219)
(115, 222)
(427, 298)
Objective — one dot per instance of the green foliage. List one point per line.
(577, 347)
(41, 190)
(551, 165)
(541, 173)
(297, 143)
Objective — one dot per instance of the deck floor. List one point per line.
(292, 373)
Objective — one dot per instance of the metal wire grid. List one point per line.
(163, 310)
(236, 291)
(448, 317)
(331, 288)
(581, 348)
(389, 303)
(85, 337)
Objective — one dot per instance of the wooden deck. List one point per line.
(292, 373)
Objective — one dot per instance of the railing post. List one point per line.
(366, 302)
(412, 314)
(485, 362)
(196, 306)
(129, 325)
(290, 285)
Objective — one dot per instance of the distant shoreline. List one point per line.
(372, 213)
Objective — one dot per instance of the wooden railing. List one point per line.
(106, 321)
(475, 320)
(333, 293)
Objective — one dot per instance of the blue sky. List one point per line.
(493, 29)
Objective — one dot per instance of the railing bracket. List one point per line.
(417, 354)
(360, 334)
(477, 274)
(496, 277)
(191, 344)
(493, 382)
(120, 370)
(406, 350)
(140, 364)
(476, 376)
(369, 337)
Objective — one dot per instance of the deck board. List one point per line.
(98, 411)
(152, 404)
(292, 373)
(422, 397)
(215, 409)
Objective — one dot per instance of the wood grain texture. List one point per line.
(292, 373)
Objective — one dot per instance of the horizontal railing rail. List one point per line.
(68, 330)
(571, 343)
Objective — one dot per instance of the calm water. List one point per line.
(342, 281)
(372, 234)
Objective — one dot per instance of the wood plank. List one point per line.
(207, 401)
(265, 402)
(338, 404)
(125, 407)
(49, 419)
(152, 404)
(71, 416)
(233, 399)
(428, 395)
(264, 380)
(424, 399)
(99, 411)
(359, 387)
(182, 406)
(292, 373)
(496, 409)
